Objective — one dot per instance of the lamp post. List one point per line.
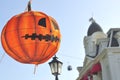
(56, 67)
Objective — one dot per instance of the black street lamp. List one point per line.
(56, 67)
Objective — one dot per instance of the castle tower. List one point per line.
(94, 34)
(102, 54)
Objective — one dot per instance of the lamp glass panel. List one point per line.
(59, 67)
(53, 67)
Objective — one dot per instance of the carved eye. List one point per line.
(42, 22)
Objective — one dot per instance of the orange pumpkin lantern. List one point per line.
(31, 37)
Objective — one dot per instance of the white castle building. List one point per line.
(102, 54)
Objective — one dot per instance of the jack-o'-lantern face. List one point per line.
(31, 37)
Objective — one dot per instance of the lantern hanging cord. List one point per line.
(28, 8)
(35, 68)
(2, 57)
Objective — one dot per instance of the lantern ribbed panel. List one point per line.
(21, 38)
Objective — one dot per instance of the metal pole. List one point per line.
(56, 77)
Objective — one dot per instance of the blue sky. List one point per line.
(73, 19)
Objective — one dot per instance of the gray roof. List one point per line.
(94, 27)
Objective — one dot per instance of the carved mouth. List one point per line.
(40, 37)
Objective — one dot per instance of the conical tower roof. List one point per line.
(94, 27)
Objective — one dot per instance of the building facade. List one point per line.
(102, 54)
